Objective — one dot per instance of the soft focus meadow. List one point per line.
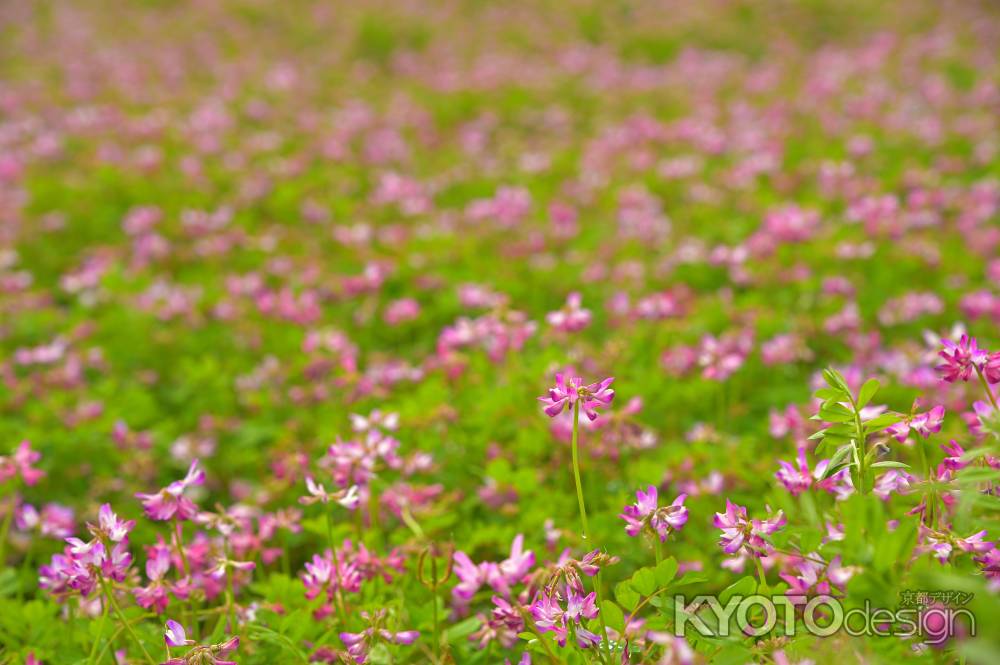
(474, 332)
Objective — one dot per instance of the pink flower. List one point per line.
(170, 502)
(645, 513)
(893, 480)
(568, 393)
(401, 311)
(175, 636)
(54, 521)
(110, 526)
(500, 576)
(955, 452)
(359, 644)
(975, 543)
(470, 577)
(740, 532)
(154, 595)
(719, 357)
(345, 571)
(572, 317)
(962, 358)
(798, 479)
(347, 498)
(816, 578)
(513, 569)
(550, 617)
(922, 423)
(21, 464)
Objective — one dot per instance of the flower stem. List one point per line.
(986, 387)
(230, 600)
(100, 633)
(576, 471)
(437, 634)
(5, 529)
(760, 575)
(109, 594)
(373, 507)
(336, 568)
(529, 622)
(583, 518)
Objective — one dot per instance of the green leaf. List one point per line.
(613, 615)
(835, 413)
(868, 391)
(461, 630)
(883, 421)
(889, 464)
(665, 571)
(835, 380)
(626, 596)
(830, 393)
(838, 461)
(743, 587)
(260, 633)
(690, 577)
(644, 581)
(810, 539)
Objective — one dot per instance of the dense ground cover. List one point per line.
(294, 298)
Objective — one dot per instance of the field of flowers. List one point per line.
(515, 332)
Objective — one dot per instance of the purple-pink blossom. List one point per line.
(646, 514)
(569, 391)
(170, 503)
(739, 532)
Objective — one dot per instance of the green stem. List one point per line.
(437, 635)
(100, 633)
(230, 600)
(188, 608)
(373, 512)
(760, 575)
(336, 568)
(109, 594)
(179, 546)
(5, 529)
(658, 547)
(114, 636)
(986, 387)
(407, 517)
(576, 471)
(859, 444)
(586, 526)
(529, 621)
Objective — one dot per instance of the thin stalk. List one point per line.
(109, 594)
(407, 517)
(529, 622)
(434, 603)
(188, 610)
(336, 568)
(986, 387)
(5, 529)
(111, 640)
(859, 447)
(658, 548)
(576, 471)
(373, 512)
(179, 546)
(760, 575)
(230, 600)
(586, 526)
(100, 633)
